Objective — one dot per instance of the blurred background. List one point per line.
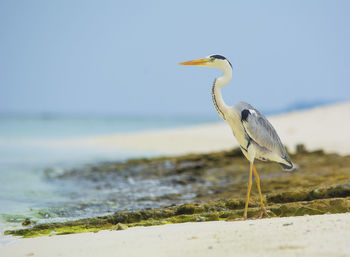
(75, 69)
(120, 57)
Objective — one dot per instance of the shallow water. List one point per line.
(27, 154)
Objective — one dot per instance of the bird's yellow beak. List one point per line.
(196, 62)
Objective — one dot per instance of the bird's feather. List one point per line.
(260, 130)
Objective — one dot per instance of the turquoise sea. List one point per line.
(27, 154)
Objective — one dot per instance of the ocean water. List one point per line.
(27, 155)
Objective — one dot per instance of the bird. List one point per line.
(257, 138)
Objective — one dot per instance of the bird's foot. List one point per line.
(262, 212)
(243, 218)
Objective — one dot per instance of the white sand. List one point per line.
(324, 235)
(326, 127)
(327, 235)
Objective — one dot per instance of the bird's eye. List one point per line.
(212, 59)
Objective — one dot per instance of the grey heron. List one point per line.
(255, 134)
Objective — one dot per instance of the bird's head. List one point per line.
(215, 60)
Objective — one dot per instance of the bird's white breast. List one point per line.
(234, 121)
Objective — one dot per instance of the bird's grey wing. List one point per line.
(261, 131)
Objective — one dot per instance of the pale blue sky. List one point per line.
(120, 57)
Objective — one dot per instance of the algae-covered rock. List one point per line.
(121, 226)
(213, 210)
(27, 222)
(342, 190)
(185, 209)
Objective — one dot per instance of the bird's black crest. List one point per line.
(218, 56)
(244, 115)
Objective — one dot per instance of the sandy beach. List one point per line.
(324, 235)
(325, 127)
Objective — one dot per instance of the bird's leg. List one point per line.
(248, 191)
(257, 179)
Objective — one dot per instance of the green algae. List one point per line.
(186, 209)
(121, 226)
(320, 185)
(198, 212)
(342, 190)
(321, 206)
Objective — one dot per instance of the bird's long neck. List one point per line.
(218, 101)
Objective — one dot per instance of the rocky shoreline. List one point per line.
(213, 188)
